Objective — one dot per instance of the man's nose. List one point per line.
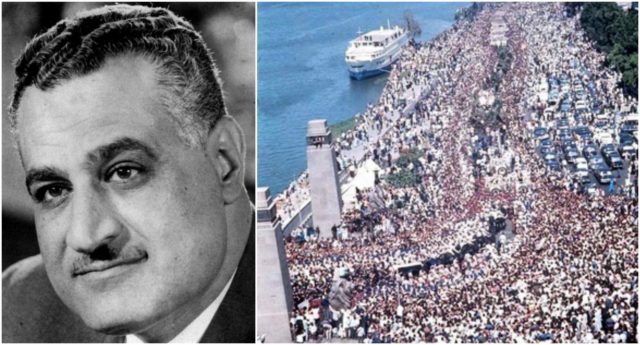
(93, 223)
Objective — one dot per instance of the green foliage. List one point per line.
(342, 127)
(485, 118)
(469, 13)
(403, 178)
(572, 8)
(615, 33)
(411, 157)
(412, 26)
(505, 57)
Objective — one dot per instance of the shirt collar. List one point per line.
(195, 330)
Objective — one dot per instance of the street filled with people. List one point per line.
(506, 208)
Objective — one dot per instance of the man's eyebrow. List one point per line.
(43, 174)
(110, 151)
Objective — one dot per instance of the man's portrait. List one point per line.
(132, 128)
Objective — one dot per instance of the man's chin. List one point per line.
(116, 327)
(115, 323)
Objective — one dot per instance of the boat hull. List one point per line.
(363, 74)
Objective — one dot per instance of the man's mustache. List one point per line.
(107, 258)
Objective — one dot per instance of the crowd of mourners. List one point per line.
(426, 262)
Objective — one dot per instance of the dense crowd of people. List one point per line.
(425, 262)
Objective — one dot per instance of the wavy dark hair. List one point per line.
(80, 45)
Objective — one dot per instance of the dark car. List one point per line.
(545, 150)
(607, 150)
(562, 123)
(583, 132)
(546, 143)
(603, 174)
(627, 147)
(553, 163)
(571, 155)
(595, 161)
(590, 151)
(564, 134)
(540, 133)
(578, 116)
(569, 145)
(629, 126)
(589, 187)
(614, 160)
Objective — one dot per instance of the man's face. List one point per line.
(130, 221)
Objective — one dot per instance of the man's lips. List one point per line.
(85, 265)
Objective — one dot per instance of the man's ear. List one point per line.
(226, 152)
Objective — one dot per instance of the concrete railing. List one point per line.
(301, 216)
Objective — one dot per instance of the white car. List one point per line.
(603, 136)
(581, 163)
(581, 105)
(595, 161)
(582, 172)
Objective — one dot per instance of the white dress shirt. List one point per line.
(195, 330)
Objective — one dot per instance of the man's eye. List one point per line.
(124, 174)
(51, 194)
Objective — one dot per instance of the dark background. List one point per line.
(229, 31)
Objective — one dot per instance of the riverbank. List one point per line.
(302, 74)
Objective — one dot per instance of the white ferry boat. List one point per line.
(373, 52)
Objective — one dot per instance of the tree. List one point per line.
(411, 24)
(615, 33)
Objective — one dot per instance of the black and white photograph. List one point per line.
(128, 172)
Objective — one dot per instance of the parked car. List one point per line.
(630, 126)
(540, 133)
(546, 143)
(589, 151)
(595, 161)
(562, 123)
(564, 134)
(589, 188)
(604, 136)
(581, 105)
(607, 150)
(628, 145)
(554, 164)
(571, 155)
(603, 174)
(583, 132)
(601, 121)
(581, 164)
(614, 160)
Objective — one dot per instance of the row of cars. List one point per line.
(586, 154)
(581, 133)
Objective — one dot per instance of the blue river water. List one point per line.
(302, 74)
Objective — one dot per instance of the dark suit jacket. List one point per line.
(32, 312)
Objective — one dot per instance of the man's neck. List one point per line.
(197, 328)
(239, 220)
